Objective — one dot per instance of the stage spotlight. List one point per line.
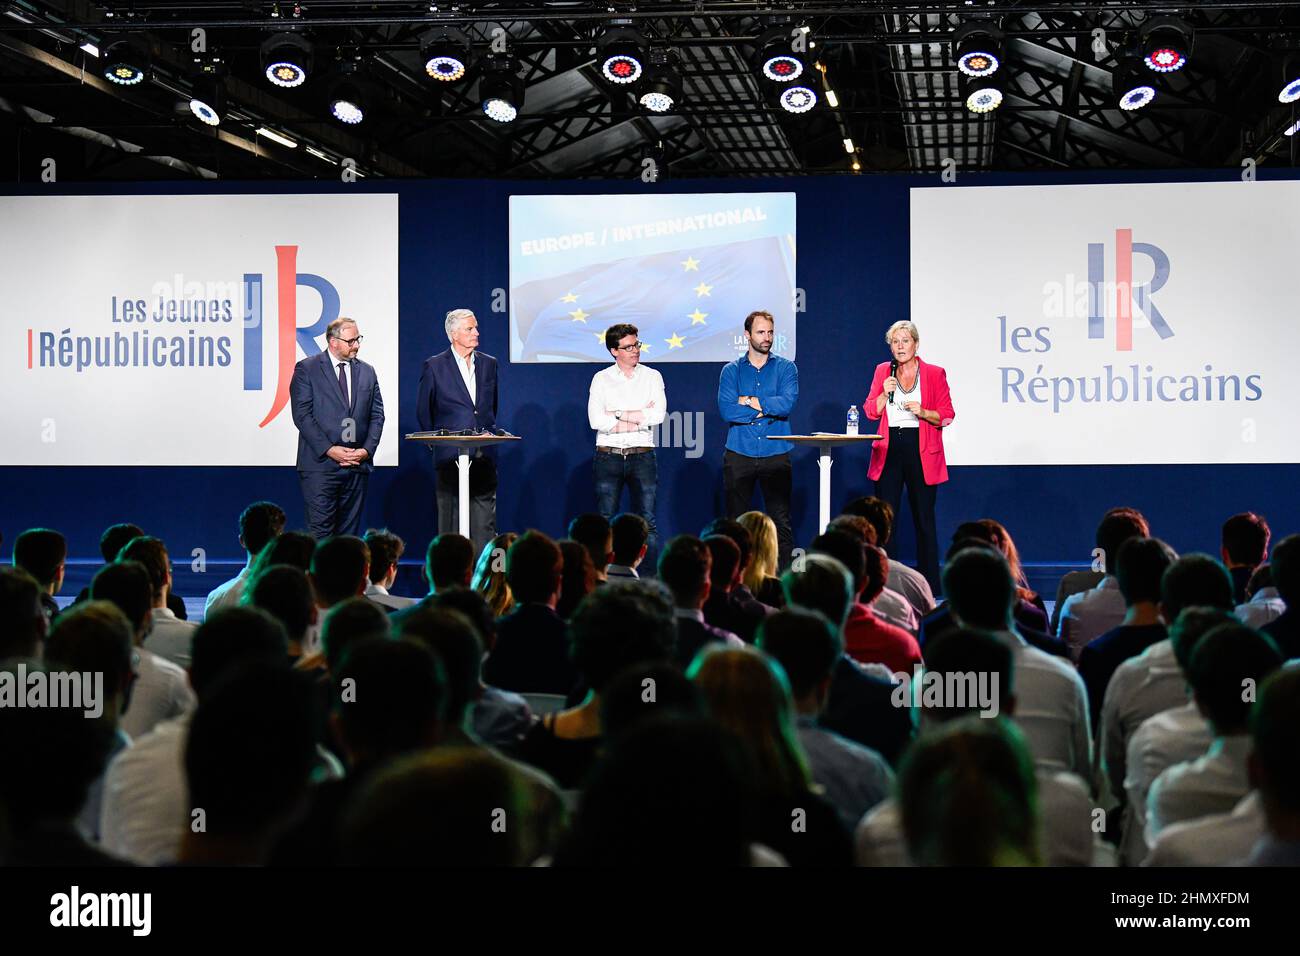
(798, 99)
(1292, 129)
(208, 100)
(1131, 89)
(620, 51)
(1166, 44)
(125, 64)
(780, 54)
(446, 53)
(286, 59)
(347, 101)
(980, 94)
(501, 90)
(1290, 93)
(978, 48)
(661, 90)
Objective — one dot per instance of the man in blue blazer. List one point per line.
(458, 391)
(340, 416)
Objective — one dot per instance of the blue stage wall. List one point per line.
(853, 260)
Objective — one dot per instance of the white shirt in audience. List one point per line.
(1264, 605)
(379, 594)
(171, 637)
(1221, 839)
(160, 692)
(1065, 815)
(1051, 709)
(143, 807)
(893, 607)
(912, 585)
(1213, 783)
(1088, 615)
(1140, 688)
(226, 595)
(1170, 737)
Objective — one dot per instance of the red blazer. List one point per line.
(934, 396)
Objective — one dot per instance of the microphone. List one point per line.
(893, 371)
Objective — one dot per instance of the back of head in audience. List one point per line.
(127, 585)
(1192, 625)
(474, 606)
(340, 568)
(42, 553)
(452, 638)
(115, 538)
(534, 569)
(619, 626)
(724, 563)
(1117, 526)
(449, 562)
(259, 524)
(94, 637)
(959, 661)
(1140, 568)
(347, 623)
(733, 529)
(390, 697)
(856, 525)
(968, 796)
(450, 807)
(878, 512)
(231, 637)
(807, 647)
(848, 550)
(1260, 579)
(1274, 764)
(151, 554)
(291, 547)
(684, 567)
(22, 620)
(578, 579)
(1286, 569)
(1194, 579)
(980, 589)
(764, 560)
(285, 592)
(1245, 540)
(386, 549)
(644, 692)
(490, 573)
(593, 532)
(820, 582)
(629, 534)
(1227, 666)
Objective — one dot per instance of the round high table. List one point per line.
(824, 441)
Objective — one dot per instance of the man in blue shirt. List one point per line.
(756, 394)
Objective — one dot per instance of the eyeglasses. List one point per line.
(634, 347)
(356, 341)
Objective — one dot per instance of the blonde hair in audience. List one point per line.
(490, 574)
(762, 554)
(1008, 549)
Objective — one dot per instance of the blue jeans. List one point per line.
(640, 474)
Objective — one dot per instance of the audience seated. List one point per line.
(1274, 766)
(1243, 549)
(111, 542)
(908, 582)
(1087, 615)
(1112, 531)
(42, 553)
(593, 532)
(1263, 602)
(295, 548)
(285, 593)
(578, 580)
(169, 636)
(448, 563)
(531, 654)
(23, 622)
(259, 524)
(386, 550)
(1285, 629)
(889, 605)
(724, 607)
(685, 568)
(741, 595)
(489, 577)
(628, 536)
(761, 576)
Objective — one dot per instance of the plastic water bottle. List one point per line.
(852, 427)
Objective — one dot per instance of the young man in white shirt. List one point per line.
(625, 404)
(169, 637)
(1087, 615)
(259, 524)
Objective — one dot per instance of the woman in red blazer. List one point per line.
(916, 406)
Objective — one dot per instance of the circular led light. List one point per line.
(286, 74)
(124, 74)
(1290, 93)
(984, 100)
(500, 110)
(977, 63)
(345, 111)
(657, 102)
(798, 99)
(782, 68)
(445, 68)
(1137, 98)
(205, 113)
(622, 69)
(1165, 60)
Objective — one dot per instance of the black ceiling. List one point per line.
(890, 65)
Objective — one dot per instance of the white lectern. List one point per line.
(824, 441)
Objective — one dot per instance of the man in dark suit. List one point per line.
(340, 416)
(684, 568)
(458, 391)
(726, 608)
(531, 654)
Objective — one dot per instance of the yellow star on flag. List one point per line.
(691, 263)
(579, 315)
(675, 342)
(697, 317)
(569, 298)
(645, 347)
(600, 337)
(703, 289)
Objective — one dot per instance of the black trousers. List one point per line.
(739, 475)
(903, 467)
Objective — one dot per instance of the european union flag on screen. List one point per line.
(688, 305)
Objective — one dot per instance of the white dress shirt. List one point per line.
(1221, 839)
(1140, 688)
(612, 391)
(893, 607)
(144, 807)
(379, 595)
(171, 637)
(1065, 820)
(1170, 737)
(466, 368)
(1264, 605)
(161, 692)
(227, 594)
(1213, 783)
(912, 585)
(1051, 710)
(1090, 614)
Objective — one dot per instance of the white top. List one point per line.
(226, 595)
(912, 585)
(1051, 710)
(144, 809)
(1213, 783)
(171, 637)
(1090, 614)
(161, 692)
(378, 594)
(1170, 737)
(612, 391)
(1140, 688)
(1221, 839)
(466, 368)
(893, 607)
(1264, 606)
(1065, 821)
(900, 417)
(347, 374)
